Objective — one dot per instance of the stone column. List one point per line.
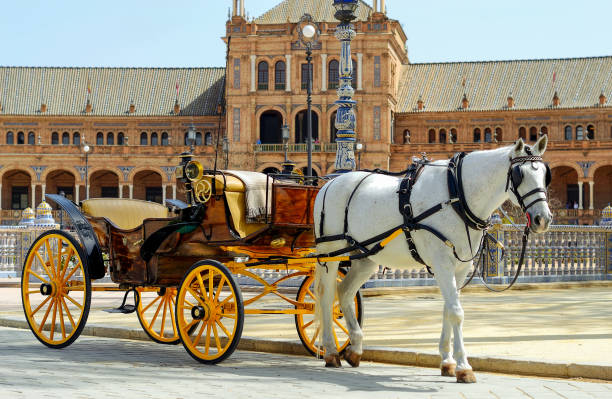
(591, 187)
(242, 14)
(382, 6)
(87, 193)
(235, 8)
(580, 195)
(120, 190)
(34, 197)
(173, 191)
(288, 72)
(375, 5)
(163, 194)
(131, 191)
(359, 71)
(323, 72)
(42, 197)
(253, 74)
(76, 194)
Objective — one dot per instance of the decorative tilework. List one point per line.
(81, 170)
(377, 123)
(169, 171)
(38, 170)
(236, 73)
(377, 71)
(236, 137)
(585, 167)
(126, 171)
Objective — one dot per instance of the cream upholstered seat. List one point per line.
(126, 214)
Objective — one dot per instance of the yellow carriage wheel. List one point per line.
(56, 289)
(156, 315)
(209, 312)
(304, 322)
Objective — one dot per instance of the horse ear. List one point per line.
(540, 146)
(519, 146)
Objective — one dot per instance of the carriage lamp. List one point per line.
(86, 150)
(191, 138)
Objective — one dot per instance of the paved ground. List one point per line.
(109, 368)
(558, 325)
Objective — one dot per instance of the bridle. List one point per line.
(515, 178)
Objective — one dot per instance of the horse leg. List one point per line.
(453, 315)
(325, 287)
(358, 274)
(448, 364)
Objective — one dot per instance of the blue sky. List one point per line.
(186, 33)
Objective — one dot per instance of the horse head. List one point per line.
(528, 181)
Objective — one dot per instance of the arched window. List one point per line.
(154, 140)
(65, 138)
(262, 76)
(523, 133)
(20, 138)
(499, 135)
(332, 127)
(477, 135)
(579, 133)
(305, 75)
(208, 138)
(76, 139)
(301, 126)
(31, 138)
(333, 74)
(488, 137)
(100, 138)
(568, 132)
(544, 130)
(144, 139)
(453, 135)
(54, 138)
(198, 138)
(406, 136)
(270, 124)
(533, 133)
(280, 74)
(110, 138)
(590, 132)
(354, 79)
(442, 136)
(10, 138)
(164, 139)
(120, 138)
(432, 136)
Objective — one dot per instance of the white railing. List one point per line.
(15, 241)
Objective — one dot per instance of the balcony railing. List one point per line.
(292, 148)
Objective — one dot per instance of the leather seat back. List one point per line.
(126, 214)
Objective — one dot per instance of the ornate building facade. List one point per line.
(135, 119)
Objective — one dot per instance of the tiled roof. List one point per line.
(153, 90)
(320, 10)
(578, 81)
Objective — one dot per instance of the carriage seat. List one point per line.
(125, 214)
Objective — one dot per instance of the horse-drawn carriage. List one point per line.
(181, 266)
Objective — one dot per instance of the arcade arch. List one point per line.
(16, 189)
(301, 126)
(270, 124)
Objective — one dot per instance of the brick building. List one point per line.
(135, 119)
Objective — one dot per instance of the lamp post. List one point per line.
(191, 138)
(86, 150)
(309, 34)
(287, 165)
(225, 147)
(345, 117)
(358, 148)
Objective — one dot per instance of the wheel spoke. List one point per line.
(61, 317)
(207, 340)
(53, 318)
(221, 283)
(190, 325)
(314, 337)
(228, 315)
(41, 305)
(341, 326)
(76, 287)
(50, 256)
(76, 267)
(305, 326)
(156, 313)
(210, 283)
(196, 341)
(40, 327)
(68, 313)
(58, 272)
(175, 333)
(196, 296)
(311, 294)
(32, 272)
(223, 328)
(44, 265)
(199, 277)
(226, 299)
(70, 253)
(163, 321)
(150, 304)
(217, 341)
(78, 305)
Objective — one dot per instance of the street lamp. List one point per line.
(359, 147)
(225, 147)
(309, 34)
(191, 138)
(287, 165)
(86, 150)
(346, 120)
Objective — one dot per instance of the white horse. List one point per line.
(374, 209)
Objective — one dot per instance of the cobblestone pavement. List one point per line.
(108, 368)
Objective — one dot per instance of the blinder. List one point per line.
(516, 175)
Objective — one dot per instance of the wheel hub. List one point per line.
(46, 289)
(200, 312)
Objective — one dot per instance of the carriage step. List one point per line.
(126, 308)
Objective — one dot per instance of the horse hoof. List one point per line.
(448, 370)
(332, 361)
(351, 357)
(466, 376)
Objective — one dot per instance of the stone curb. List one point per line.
(399, 356)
